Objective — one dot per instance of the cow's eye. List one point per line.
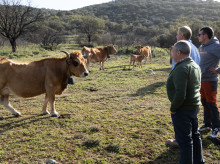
(75, 63)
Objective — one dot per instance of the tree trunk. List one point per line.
(89, 38)
(13, 45)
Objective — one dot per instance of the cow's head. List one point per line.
(86, 52)
(76, 64)
(138, 47)
(111, 49)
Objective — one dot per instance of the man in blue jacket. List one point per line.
(210, 57)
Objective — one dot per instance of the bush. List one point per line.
(91, 143)
(113, 148)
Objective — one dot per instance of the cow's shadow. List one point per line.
(150, 89)
(21, 122)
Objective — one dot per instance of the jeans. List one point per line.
(185, 124)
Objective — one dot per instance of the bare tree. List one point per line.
(50, 39)
(16, 20)
(91, 26)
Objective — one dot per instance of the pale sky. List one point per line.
(65, 4)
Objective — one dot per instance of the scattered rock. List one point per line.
(65, 116)
(51, 161)
(93, 89)
(151, 71)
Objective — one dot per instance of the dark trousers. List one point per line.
(209, 102)
(185, 124)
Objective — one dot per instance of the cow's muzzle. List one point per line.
(84, 74)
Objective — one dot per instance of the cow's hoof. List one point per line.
(55, 115)
(1, 118)
(45, 113)
(17, 115)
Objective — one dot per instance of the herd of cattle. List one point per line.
(50, 75)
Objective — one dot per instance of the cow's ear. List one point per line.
(75, 63)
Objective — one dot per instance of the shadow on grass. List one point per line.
(150, 89)
(163, 69)
(21, 122)
(171, 156)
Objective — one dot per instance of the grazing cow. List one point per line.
(136, 58)
(29, 79)
(98, 55)
(146, 51)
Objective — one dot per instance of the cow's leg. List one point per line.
(6, 103)
(87, 64)
(130, 64)
(45, 112)
(150, 55)
(101, 66)
(133, 64)
(145, 61)
(54, 113)
(88, 68)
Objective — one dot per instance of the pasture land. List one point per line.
(115, 116)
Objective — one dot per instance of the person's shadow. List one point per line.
(171, 156)
(150, 89)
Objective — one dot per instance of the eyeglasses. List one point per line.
(200, 34)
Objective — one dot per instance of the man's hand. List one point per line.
(213, 70)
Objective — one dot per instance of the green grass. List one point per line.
(116, 116)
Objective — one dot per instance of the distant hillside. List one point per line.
(127, 22)
(153, 12)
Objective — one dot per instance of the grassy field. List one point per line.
(116, 116)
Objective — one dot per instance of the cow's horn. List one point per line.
(67, 54)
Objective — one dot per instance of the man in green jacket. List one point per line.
(183, 90)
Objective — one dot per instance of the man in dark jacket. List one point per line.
(209, 61)
(183, 90)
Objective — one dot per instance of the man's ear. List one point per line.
(178, 52)
(183, 37)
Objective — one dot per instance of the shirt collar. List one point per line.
(183, 59)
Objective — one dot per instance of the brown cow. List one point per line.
(29, 79)
(136, 58)
(146, 51)
(98, 55)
